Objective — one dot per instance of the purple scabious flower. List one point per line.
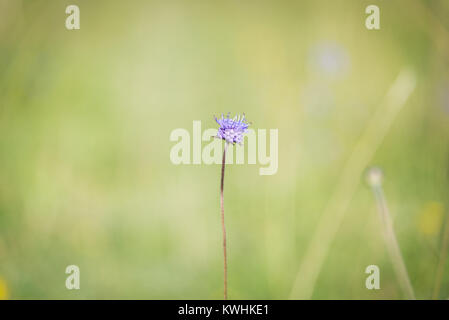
(232, 130)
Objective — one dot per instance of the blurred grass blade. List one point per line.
(391, 241)
(360, 157)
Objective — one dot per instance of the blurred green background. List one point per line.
(85, 173)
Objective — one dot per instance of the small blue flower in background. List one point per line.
(232, 130)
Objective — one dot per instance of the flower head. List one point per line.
(232, 130)
(374, 177)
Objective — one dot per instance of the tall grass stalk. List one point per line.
(375, 181)
(375, 132)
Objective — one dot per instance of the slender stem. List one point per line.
(392, 244)
(225, 280)
(337, 207)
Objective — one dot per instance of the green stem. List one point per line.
(392, 244)
(225, 280)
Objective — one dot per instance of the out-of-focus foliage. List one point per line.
(85, 120)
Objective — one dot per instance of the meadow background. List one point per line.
(85, 173)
